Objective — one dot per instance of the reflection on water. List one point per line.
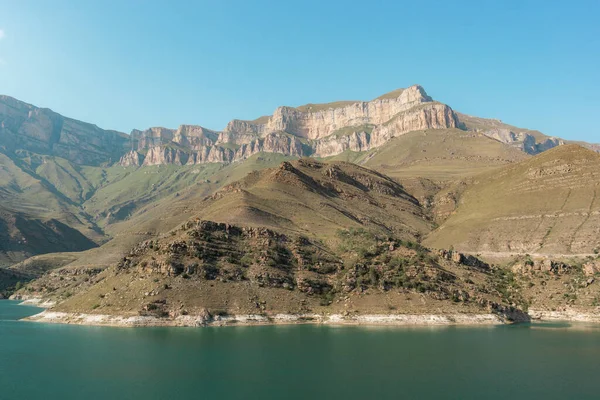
(566, 325)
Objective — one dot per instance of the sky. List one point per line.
(134, 64)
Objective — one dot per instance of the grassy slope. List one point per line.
(35, 216)
(317, 199)
(439, 155)
(546, 204)
(177, 201)
(433, 165)
(100, 202)
(133, 203)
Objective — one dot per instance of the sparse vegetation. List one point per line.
(329, 234)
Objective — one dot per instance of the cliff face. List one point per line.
(319, 121)
(315, 129)
(524, 141)
(40, 130)
(530, 142)
(131, 159)
(200, 154)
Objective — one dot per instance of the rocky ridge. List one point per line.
(318, 130)
(40, 130)
(530, 142)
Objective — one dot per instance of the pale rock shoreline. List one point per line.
(277, 319)
(464, 319)
(37, 302)
(566, 315)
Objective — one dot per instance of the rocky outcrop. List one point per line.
(426, 116)
(159, 155)
(320, 130)
(359, 140)
(524, 141)
(131, 159)
(194, 137)
(591, 267)
(321, 120)
(42, 131)
(463, 259)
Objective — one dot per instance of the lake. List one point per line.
(538, 361)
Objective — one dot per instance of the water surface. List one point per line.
(44, 361)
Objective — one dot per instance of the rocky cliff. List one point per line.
(524, 141)
(528, 141)
(312, 130)
(40, 130)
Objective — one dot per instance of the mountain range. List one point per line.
(379, 192)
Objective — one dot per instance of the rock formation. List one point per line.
(524, 141)
(316, 129)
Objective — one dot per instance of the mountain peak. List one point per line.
(417, 90)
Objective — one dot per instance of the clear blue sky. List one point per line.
(134, 64)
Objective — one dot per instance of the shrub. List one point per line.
(362, 242)
(247, 260)
(327, 298)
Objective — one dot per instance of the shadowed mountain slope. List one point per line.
(40, 130)
(36, 219)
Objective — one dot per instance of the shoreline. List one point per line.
(35, 302)
(566, 316)
(32, 301)
(456, 319)
(55, 317)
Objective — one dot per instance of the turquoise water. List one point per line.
(39, 361)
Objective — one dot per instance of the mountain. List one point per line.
(42, 131)
(547, 204)
(35, 218)
(317, 199)
(309, 237)
(315, 238)
(318, 130)
(397, 167)
(531, 142)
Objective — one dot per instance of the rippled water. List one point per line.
(549, 361)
